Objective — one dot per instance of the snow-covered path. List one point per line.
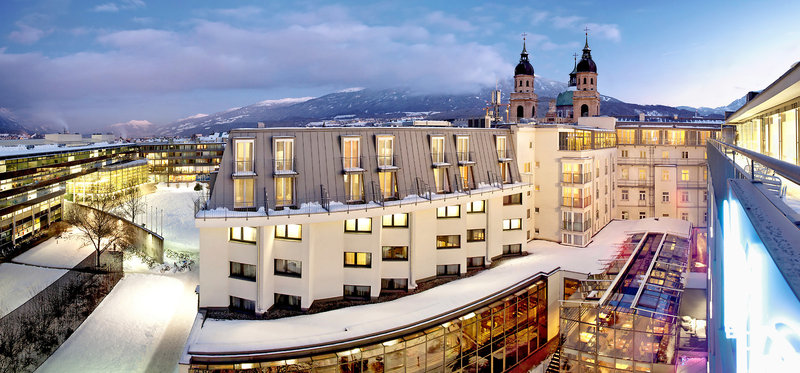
(140, 326)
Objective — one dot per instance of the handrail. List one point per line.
(787, 170)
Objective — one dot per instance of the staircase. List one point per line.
(555, 361)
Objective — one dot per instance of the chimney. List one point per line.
(751, 95)
(261, 125)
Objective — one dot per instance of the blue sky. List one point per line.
(89, 64)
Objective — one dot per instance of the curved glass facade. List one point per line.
(492, 338)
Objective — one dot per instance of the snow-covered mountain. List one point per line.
(390, 104)
(9, 123)
(720, 110)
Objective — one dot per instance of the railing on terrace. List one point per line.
(577, 226)
(243, 166)
(283, 164)
(576, 178)
(352, 163)
(325, 203)
(466, 157)
(780, 177)
(389, 161)
(441, 158)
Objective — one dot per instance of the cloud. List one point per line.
(336, 53)
(134, 123)
(240, 12)
(566, 22)
(121, 5)
(132, 128)
(606, 31)
(538, 17)
(25, 34)
(439, 18)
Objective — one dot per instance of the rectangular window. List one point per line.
(385, 151)
(351, 153)
(685, 155)
(388, 185)
(462, 148)
(394, 284)
(684, 196)
(642, 154)
(684, 175)
(664, 196)
(242, 234)
(243, 193)
(353, 187)
(526, 167)
(290, 268)
(505, 173)
(665, 154)
(665, 175)
(242, 304)
(399, 253)
(448, 212)
(476, 235)
(476, 207)
(512, 224)
(448, 270)
(356, 292)
(641, 214)
(441, 180)
(437, 149)
(642, 174)
(625, 215)
(353, 259)
(284, 155)
(514, 249)
(624, 194)
(502, 152)
(289, 302)
(642, 195)
(466, 177)
(361, 225)
(243, 271)
(624, 154)
(685, 216)
(244, 155)
(289, 231)
(448, 241)
(395, 220)
(284, 191)
(512, 199)
(476, 262)
(624, 173)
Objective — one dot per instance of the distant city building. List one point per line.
(523, 101)
(178, 161)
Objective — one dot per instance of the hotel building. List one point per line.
(298, 216)
(178, 161)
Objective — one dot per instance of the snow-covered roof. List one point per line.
(241, 337)
(23, 150)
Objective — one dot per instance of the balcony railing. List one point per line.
(388, 161)
(243, 167)
(284, 165)
(465, 157)
(440, 159)
(575, 178)
(352, 163)
(505, 155)
(576, 202)
(577, 226)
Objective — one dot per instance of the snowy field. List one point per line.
(142, 325)
(20, 282)
(244, 335)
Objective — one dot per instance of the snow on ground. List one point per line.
(141, 326)
(64, 252)
(352, 322)
(18, 283)
(177, 226)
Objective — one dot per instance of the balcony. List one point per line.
(576, 202)
(576, 226)
(388, 162)
(465, 158)
(575, 178)
(284, 166)
(440, 159)
(505, 155)
(352, 164)
(243, 168)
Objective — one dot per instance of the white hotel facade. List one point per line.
(303, 215)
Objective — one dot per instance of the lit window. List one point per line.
(476, 206)
(284, 187)
(351, 152)
(244, 155)
(395, 220)
(448, 241)
(665, 154)
(476, 235)
(684, 175)
(395, 253)
(462, 148)
(242, 234)
(243, 193)
(385, 151)
(363, 225)
(512, 224)
(289, 231)
(284, 155)
(466, 177)
(388, 184)
(437, 149)
(501, 147)
(440, 180)
(448, 212)
(354, 189)
(665, 175)
(353, 259)
(642, 174)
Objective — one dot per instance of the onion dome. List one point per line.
(564, 98)
(524, 66)
(586, 65)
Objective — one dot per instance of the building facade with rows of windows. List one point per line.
(662, 169)
(182, 161)
(297, 216)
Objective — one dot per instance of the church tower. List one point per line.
(585, 99)
(522, 104)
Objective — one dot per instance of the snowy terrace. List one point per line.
(212, 338)
(331, 204)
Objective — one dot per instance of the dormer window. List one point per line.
(243, 155)
(284, 155)
(502, 149)
(437, 150)
(351, 153)
(385, 151)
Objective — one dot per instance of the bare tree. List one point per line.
(131, 202)
(97, 226)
